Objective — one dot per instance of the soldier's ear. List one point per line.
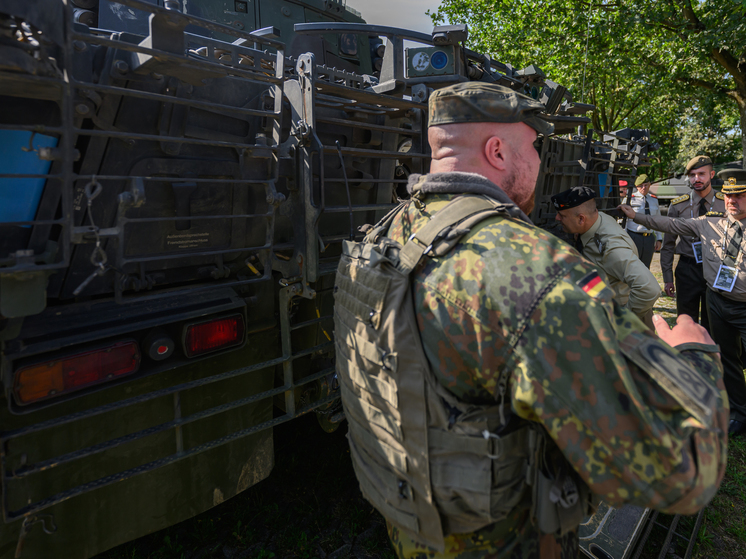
(496, 153)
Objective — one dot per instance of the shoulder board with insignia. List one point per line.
(653, 196)
(714, 214)
(720, 196)
(680, 199)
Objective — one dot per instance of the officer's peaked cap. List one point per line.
(734, 181)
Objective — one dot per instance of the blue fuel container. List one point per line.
(19, 197)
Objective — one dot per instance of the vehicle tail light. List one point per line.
(206, 337)
(67, 374)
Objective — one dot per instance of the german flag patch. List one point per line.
(592, 284)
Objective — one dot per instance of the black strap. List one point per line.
(702, 207)
(734, 245)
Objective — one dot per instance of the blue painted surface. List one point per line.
(602, 178)
(19, 198)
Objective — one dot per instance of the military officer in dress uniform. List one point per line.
(602, 241)
(690, 288)
(720, 241)
(646, 241)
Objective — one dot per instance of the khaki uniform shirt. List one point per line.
(710, 230)
(685, 207)
(613, 252)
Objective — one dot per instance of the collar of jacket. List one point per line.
(588, 235)
(462, 183)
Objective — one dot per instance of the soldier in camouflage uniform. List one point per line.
(511, 305)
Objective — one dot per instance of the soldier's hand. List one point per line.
(658, 245)
(669, 288)
(686, 331)
(627, 209)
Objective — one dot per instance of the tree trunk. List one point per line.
(742, 115)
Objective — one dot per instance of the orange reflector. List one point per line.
(60, 376)
(207, 337)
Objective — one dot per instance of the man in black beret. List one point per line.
(599, 238)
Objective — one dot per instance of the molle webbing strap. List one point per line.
(386, 508)
(391, 455)
(387, 483)
(383, 224)
(465, 211)
(375, 416)
(373, 385)
(486, 446)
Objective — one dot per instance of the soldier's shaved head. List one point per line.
(579, 219)
(501, 152)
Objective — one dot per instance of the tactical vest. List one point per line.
(431, 464)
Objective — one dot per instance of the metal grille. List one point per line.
(583, 161)
(130, 224)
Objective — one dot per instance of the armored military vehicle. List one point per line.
(176, 181)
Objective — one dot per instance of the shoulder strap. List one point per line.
(372, 235)
(440, 235)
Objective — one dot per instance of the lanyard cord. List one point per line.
(691, 205)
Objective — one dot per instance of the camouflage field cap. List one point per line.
(642, 179)
(697, 162)
(734, 181)
(573, 197)
(485, 102)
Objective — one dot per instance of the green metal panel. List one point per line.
(87, 524)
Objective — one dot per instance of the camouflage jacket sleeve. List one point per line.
(668, 248)
(509, 300)
(605, 390)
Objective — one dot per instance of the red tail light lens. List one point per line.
(206, 337)
(67, 374)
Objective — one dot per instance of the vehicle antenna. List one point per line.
(347, 187)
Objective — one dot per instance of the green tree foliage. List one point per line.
(655, 64)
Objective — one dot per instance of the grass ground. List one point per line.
(311, 507)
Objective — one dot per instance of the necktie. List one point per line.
(579, 245)
(647, 207)
(702, 207)
(734, 246)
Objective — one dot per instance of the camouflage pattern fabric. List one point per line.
(508, 300)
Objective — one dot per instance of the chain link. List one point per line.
(98, 256)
